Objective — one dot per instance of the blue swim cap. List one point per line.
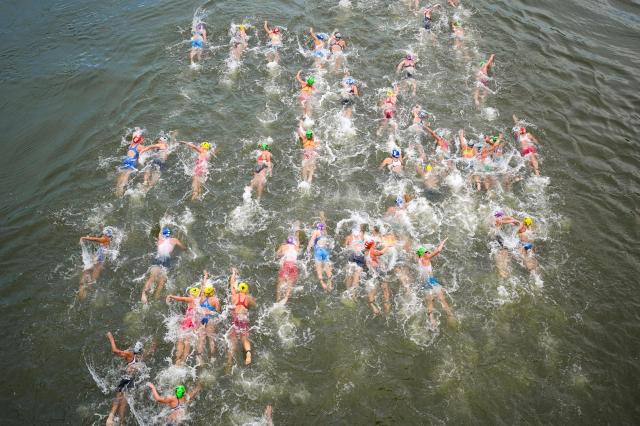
(422, 114)
(399, 200)
(108, 232)
(527, 246)
(350, 81)
(320, 36)
(166, 231)
(395, 153)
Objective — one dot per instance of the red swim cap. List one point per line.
(369, 244)
(523, 130)
(137, 138)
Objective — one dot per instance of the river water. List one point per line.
(559, 348)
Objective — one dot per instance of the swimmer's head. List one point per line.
(137, 137)
(320, 226)
(527, 246)
(491, 140)
(205, 145)
(421, 250)
(194, 291)
(107, 232)
(243, 287)
(264, 147)
(208, 290)
(276, 30)
(395, 153)
(399, 201)
(163, 139)
(138, 347)
(498, 213)
(320, 36)
(166, 232)
(308, 134)
(338, 36)
(290, 239)
(369, 244)
(242, 27)
(470, 143)
(428, 168)
(522, 130)
(389, 92)
(180, 390)
(409, 57)
(457, 23)
(350, 81)
(422, 114)
(311, 81)
(527, 221)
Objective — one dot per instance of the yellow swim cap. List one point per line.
(242, 27)
(205, 145)
(527, 221)
(389, 92)
(208, 290)
(428, 167)
(243, 287)
(194, 291)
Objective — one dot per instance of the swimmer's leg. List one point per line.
(386, 297)
(372, 300)
(318, 266)
(534, 163)
(179, 350)
(327, 270)
(202, 337)
(123, 407)
(97, 270)
(246, 345)
(231, 340)
(153, 272)
(429, 300)
(161, 281)
(114, 408)
(444, 304)
(121, 182)
(195, 188)
(211, 331)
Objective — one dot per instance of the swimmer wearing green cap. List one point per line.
(309, 144)
(482, 81)
(178, 401)
(263, 168)
(306, 92)
(431, 284)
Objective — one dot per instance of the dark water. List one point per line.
(76, 75)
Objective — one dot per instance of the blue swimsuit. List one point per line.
(207, 317)
(321, 254)
(130, 163)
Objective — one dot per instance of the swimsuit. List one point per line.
(427, 23)
(201, 166)
(409, 70)
(207, 305)
(394, 164)
(130, 163)
(240, 321)
(528, 150)
(196, 43)
(101, 253)
(320, 254)
(289, 267)
(187, 324)
(357, 255)
(163, 261)
(127, 381)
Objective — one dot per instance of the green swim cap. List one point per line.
(458, 23)
(310, 81)
(309, 134)
(264, 146)
(180, 390)
(494, 139)
(482, 63)
(420, 251)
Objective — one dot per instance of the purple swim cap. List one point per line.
(320, 226)
(498, 213)
(290, 240)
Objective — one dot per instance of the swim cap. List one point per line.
(469, 143)
(527, 246)
(290, 240)
(389, 92)
(166, 231)
(498, 213)
(338, 35)
(320, 36)
(527, 221)
(310, 81)
(482, 64)
(208, 290)
(395, 153)
(428, 167)
(493, 140)
(350, 81)
(137, 138)
(420, 251)
(369, 244)
(458, 23)
(523, 130)
(242, 27)
(422, 114)
(243, 287)
(108, 232)
(264, 146)
(399, 200)
(180, 390)
(137, 348)
(205, 145)
(409, 56)
(163, 138)
(320, 226)
(194, 291)
(309, 134)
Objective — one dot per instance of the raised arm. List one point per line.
(311, 239)
(124, 354)
(399, 67)
(190, 145)
(194, 392)
(490, 60)
(300, 80)
(157, 396)
(232, 281)
(205, 277)
(179, 298)
(315, 37)
(438, 249)
(428, 129)
(266, 28)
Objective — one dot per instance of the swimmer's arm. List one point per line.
(232, 281)
(89, 238)
(190, 145)
(300, 80)
(124, 354)
(533, 139)
(311, 238)
(438, 249)
(179, 244)
(313, 34)
(205, 276)
(384, 163)
(194, 392)
(266, 28)
(399, 66)
(179, 298)
(157, 396)
(490, 61)
(355, 90)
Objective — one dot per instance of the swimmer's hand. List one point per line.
(168, 299)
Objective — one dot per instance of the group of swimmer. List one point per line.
(379, 255)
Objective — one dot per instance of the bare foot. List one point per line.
(247, 358)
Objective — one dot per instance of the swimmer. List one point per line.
(201, 170)
(430, 176)
(356, 260)
(130, 162)
(209, 309)
(458, 34)
(320, 243)
(198, 39)
(388, 106)
(288, 273)
(419, 117)
(162, 262)
(320, 50)
(309, 144)
(431, 284)
(336, 47)
(98, 260)
(503, 256)
(485, 159)
(158, 160)
(371, 255)
(188, 324)
(527, 148)
(469, 156)
(239, 41)
(400, 206)
(306, 93)
(241, 300)
(275, 42)
(426, 13)
(525, 245)
(394, 162)
(348, 94)
(178, 402)
(482, 81)
(442, 148)
(408, 68)
(264, 167)
(135, 366)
